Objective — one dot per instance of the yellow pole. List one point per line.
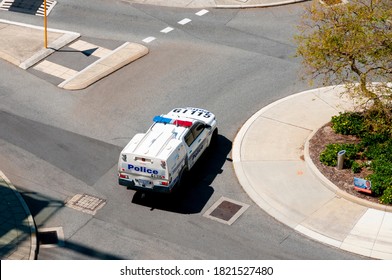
(45, 27)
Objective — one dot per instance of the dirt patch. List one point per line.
(343, 179)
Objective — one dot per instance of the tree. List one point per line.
(350, 44)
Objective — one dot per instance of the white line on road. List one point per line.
(167, 30)
(184, 21)
(149, 39)
(201, 13)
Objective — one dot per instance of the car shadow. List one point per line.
(196, 191)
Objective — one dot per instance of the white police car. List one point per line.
(156, 160)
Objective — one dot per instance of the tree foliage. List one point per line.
(350, 44)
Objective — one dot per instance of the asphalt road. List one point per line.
(55, 144)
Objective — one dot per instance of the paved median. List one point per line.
(23, 45)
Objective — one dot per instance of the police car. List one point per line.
(158, 159)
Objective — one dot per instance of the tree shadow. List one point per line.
(196, 191)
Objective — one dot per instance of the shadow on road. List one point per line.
(197, 190)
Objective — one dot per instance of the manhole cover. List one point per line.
(226, 210)
(86, 203)
(50, 237)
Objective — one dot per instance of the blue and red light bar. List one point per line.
(160, 119)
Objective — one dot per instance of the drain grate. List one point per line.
(226, 210)
(86, 203)
(50, 237)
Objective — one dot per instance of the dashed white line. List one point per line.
(149, 39)
(184, 21)
(202, 12)
(167, 30)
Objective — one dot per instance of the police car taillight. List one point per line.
(123, 176)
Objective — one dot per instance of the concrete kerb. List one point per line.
(309, 162)
(65, 39)
(264, 203)
(33, 230)
(236, 154)
(118, 58)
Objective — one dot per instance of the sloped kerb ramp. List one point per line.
(118, 58)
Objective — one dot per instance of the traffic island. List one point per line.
(118, 58)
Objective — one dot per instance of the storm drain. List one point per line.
(226, 210)
(50, 237)
(86, 203)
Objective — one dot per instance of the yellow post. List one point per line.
(45, 27)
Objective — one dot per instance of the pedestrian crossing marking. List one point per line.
(34, 7)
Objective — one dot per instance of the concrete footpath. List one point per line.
(272, 162)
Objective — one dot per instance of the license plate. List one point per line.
(145, 183)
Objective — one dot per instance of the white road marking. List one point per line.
(184, 21)
(202, 12)
(167, 30)
(55, 70)
(149, 39)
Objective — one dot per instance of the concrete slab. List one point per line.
(296, 194)
(335, 98)
(336, 218)
(363, 236)
(305, 114)
(268, 139)
(11, 37)
(384, 237)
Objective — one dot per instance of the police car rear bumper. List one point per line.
(130, 184)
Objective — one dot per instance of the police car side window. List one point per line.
(197, 130)
(189, 138)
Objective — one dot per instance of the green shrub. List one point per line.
(381, 177)
(356, 167)
(370, 139)
(378, 122)
(329, 155)
(348, 123)
(375, 149)
(379, 151)
(386, 197)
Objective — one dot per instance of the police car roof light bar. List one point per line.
(160, 119)
(183, 123)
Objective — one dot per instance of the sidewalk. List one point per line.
(272, 163)
(18, 239)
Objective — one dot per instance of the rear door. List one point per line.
(196, 141)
